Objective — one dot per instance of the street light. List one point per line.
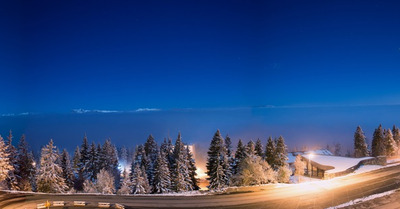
(310, 155)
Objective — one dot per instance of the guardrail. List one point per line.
(104, 205)
(58, 203)
(79, 203)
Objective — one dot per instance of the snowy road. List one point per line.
(320, 194)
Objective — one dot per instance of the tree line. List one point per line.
(94, 168)
(385, 142)
(250, 165)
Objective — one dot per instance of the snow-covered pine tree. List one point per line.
(162, 179)
(250, 148)
(105, 182)
(170, 157)
(360, 146)
(140, 184)
(5, 166)
(396, 137)
(109, 160)
(192, 169)
(240, 154)
(126, 185)
(391, 147)
(259, 148)
(270, 152)
(66, 167)
(229, 155)
(151, 149)
(217, 163)
(12, 179)
(180, 179)
(92, 164)
(76, 160)
(280, 153)
(49, 178)
(378, 146)
(84, 160)
(26, 170)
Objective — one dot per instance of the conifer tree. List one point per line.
(378, 146)
(162, 178)
(76, 160)
(12, 179)
(360, 146)
(231, 159)
(49, 177)
(140, 184)
(26, 170)
(217, 163)
(66, 167)
(126, 184)
(240, 154)
(280, 153)
(84, 159)
(250, 149)
(259, 148)
(396, 137)
(151, 149)
(391, 147)
(79, 178)
(5, 166)
(93, 162)
(192, 169)
(270, 152)
(180, 179)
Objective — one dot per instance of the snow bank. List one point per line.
(364, 199)
(340, 163)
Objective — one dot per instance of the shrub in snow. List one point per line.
(253, 170)
(89, 187)
(283, 174)
(299, 166)
(105, 182)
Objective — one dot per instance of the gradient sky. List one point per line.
(301, 57)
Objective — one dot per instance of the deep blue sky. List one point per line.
(56, 56)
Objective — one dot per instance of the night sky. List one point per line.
(308, 70)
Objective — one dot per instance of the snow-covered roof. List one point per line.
(319, 152)
(339, 163)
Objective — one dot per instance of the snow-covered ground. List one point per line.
(339, 163)
(364, 199)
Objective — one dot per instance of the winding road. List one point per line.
(320, 194)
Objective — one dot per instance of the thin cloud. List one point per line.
(82, 111)
(147, 109)
(16, 114)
